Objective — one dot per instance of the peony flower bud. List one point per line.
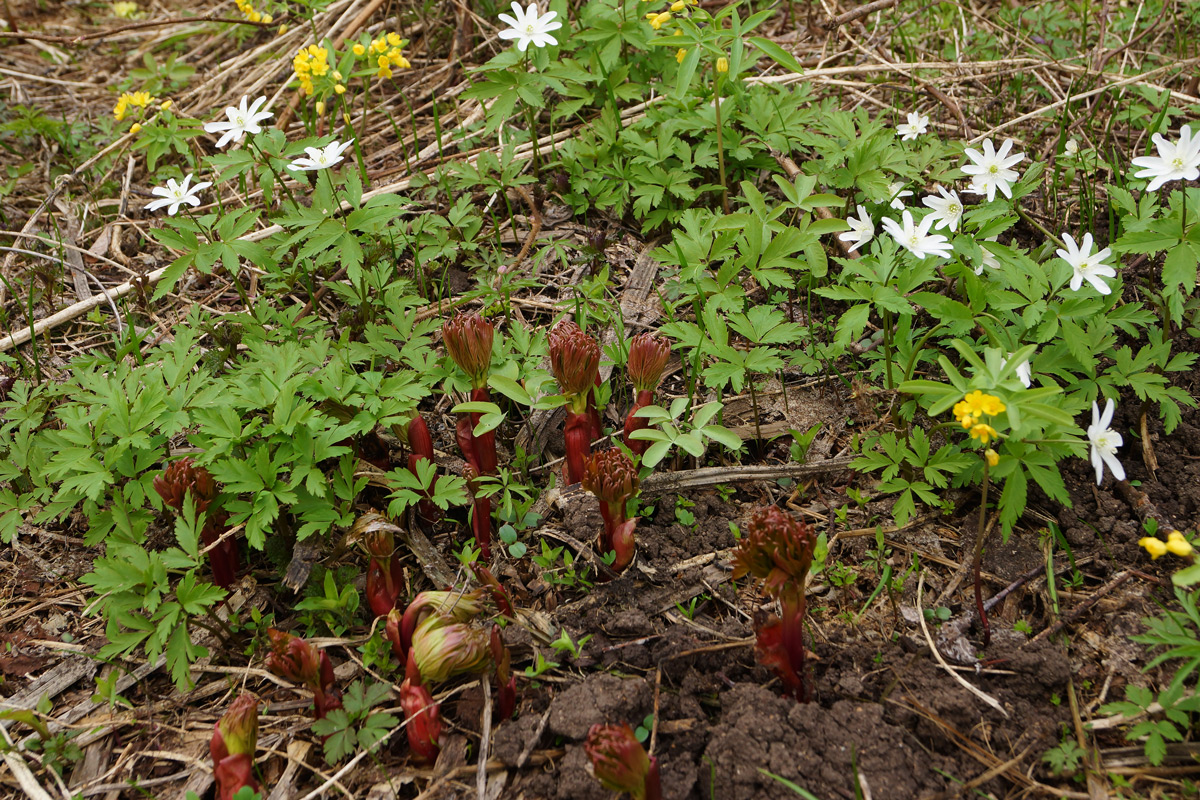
(777, 549)
(234, 739)
(385, 577)
(468, 339)
(179, 478)
(648, 354)
(443, 649)
(574, 361)
(296, 660)
(620, 763)
(424, 726)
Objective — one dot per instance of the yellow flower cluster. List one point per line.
(385, 53)
(1176, 544)
(247, 9)
(125, 9)
(311, 62)
(130, 100)
(971, 410)
(660, 18)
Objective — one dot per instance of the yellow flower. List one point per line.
(722, 64)
(975, 405)
(340, 89)
(131, 99)
(337, 76)
(680, 55)
(658, 20)
(993, 458)
(402, 62)
(283, 29)
(358, 50)
(1155, 547)
(1177, 544)
(135, 127)
(384, 62)
(984, 433)
(125, 10)
(384, 72)
(267, 19)
(378, 46)
(679, 5)
(254, 16)
(394, 39)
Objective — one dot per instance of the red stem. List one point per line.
(481, 525)
(632, 423)
(577, 434)
(652, 785)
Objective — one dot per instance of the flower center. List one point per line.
(1104, 444)
(239, 120)
(993, 169)
(914, 240)
(954, 209)
(529, 29)
(1177, 164)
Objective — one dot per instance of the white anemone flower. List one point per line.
(176, 194)
(988, 259)
(917, 124)
(1104, 443)
(947, 209)
(243, 119)
(996, 165)
(1024, 371)
(320, 157)
(862, 230)
(896, 194)
(1088, 266)
(916, 238)
(528, 28)
(1176, 161)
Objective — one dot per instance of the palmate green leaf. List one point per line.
(181, 652)
(195, 598)
(655, 452)
(1179, 267)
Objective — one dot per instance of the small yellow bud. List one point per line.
(320, 108)
(679, 5)
(1155, 547)
(166, 104)
(384, 62)
(358, 50)
(658, 20)
(345, 118)
(680, 55)
(267, 19)
(337, 76)
(993, 458)
(340, 89)
(722, 64)
(254, 16)
(1177, 544)
(283, 29)
(135, 127)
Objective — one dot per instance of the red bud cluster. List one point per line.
(178, 480)
(575, 363)
(234, 739)
(620, 762)
(778, 549)
(468, 338)
(648, 353)
(296, 660)
(385, 577)
(612, 477)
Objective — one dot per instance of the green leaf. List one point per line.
(777, 54)
(510, 389)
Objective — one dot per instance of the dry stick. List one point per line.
(41, 37)
(1083, 607)
(987, 698)
(484, 741)
(856, 14)
(660, 483)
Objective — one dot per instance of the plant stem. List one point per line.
(978, 559)
(720, 140)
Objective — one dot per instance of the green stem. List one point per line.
(720, 140)
(978, 559)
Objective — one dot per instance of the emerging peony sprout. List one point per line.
(499, 593)
(296, 660)
(459, 606)
(648, 354)
(181, 478)
(620, 762)
(424, 726)
(385, 578)
(468, 339)
(443, 648)
(506, 681)
(234, 739)
(778, 550)
(613, 478)
(421, 445)
(481, 512)
(391, 630)
(575, 363)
